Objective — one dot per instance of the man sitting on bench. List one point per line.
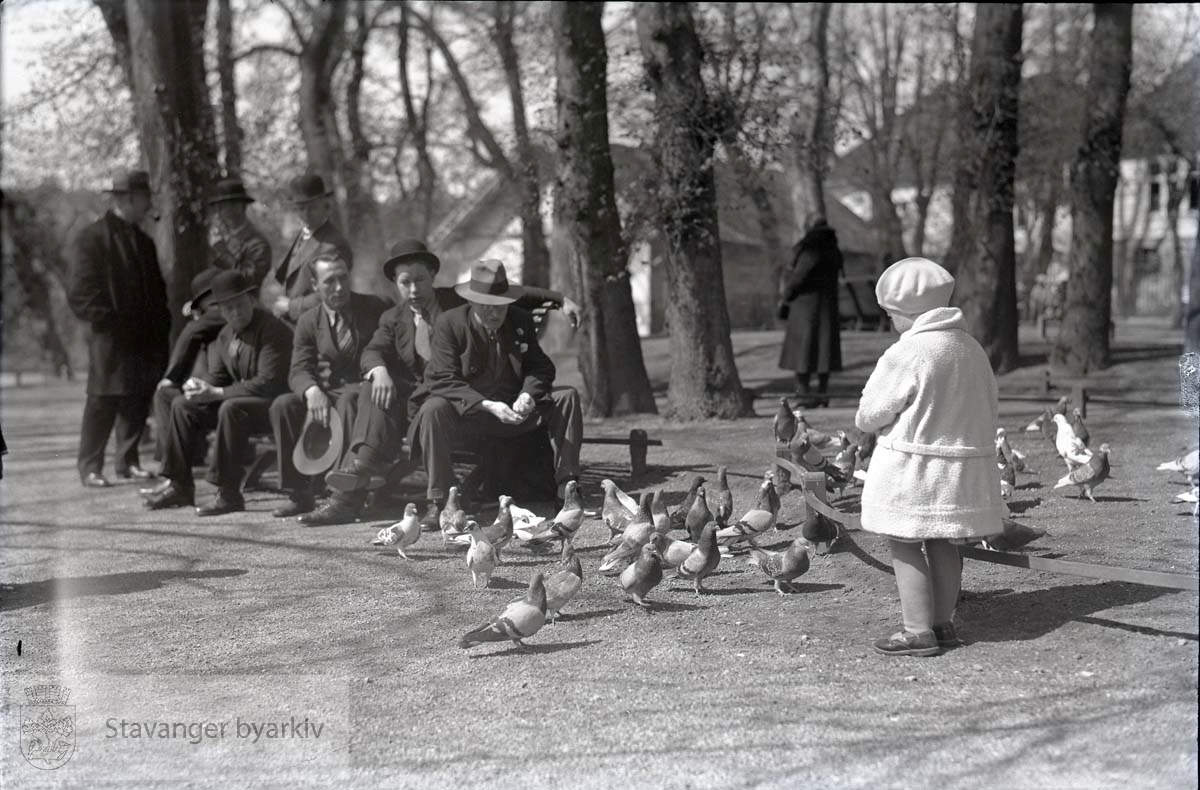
(487, 377)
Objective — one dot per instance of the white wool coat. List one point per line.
(932, 399)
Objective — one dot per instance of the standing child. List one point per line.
(932, 481)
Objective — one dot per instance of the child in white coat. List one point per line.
(932, 482)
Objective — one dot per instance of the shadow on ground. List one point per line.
(19, 596)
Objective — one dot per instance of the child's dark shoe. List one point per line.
(946, 636)
(905, 643)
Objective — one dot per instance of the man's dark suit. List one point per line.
(253, 370)
(466, 367)
(189, 356)
(317, 361)
(295, 274)
(117, 288)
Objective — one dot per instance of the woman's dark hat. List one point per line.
(230, 189)
(131, 181)
(489, 285)
(228, 284)
(319, 445)
(408, 251)
(307, 187)
(201, 287)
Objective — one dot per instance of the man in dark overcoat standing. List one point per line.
(319, 237)
(117, 288)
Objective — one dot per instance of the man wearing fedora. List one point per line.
(325, 377)
(118, 289)
(248, 369)
(487, 377)
(394, 364)
(235, 243)
(319, 236)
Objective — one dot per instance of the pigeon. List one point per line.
(1045, 424)
(722, 498)
(698, 516)
(615, 514)
(642, 576)
(757, 520)
(1089, 474)
(1078, 426)
(846, 456)
(1069, 447)
(1062, 405)
(520, 620)
(564, 525)
(453, 519)
(819, 528)
(702, 561)
(866, 446)
(499, 533)
(1191, 497)
(403, 533)
(806, 455)
(481, 557)
(1014, 536)
(562, 585)
(1008, 479)
(1005, 450)
(636, 535)
(679, 517)
(671, 550)
(785, 423)
(658, 514)
(817, 438)
(782, 567)
(1187, 464)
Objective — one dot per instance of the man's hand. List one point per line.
(280, 308)
(200, 391)
(523, 405)
(164, 383)
(383, 389)
(502, 412)
(318, 404)
(572, 311)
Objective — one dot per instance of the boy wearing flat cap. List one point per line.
(932, 400)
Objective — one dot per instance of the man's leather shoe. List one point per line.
(294, 507)
(153, 491)
(432, 520)
(172, 496)
(226, 502)
(355, 476)
(135, 473)
(332, 512)
(96, 480)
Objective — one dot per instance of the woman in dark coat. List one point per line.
(809, 303)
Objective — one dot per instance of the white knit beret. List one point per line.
(913, 286)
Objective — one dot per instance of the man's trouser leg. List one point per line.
(237, 420)
(188, 425)
(564, 419)
(99, 414)
(162, 418)
(375, 439)
(287, 413)
(131, 424)
(346, 401)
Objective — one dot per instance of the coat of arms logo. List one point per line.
(47, 727)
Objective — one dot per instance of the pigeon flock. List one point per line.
(650, 543)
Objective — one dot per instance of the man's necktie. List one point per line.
(235, 345)
(341, 331)
(422, 342)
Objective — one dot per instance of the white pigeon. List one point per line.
(1013, 456)
(1187, 464)
(403, 533)
(1192, 497)
(481, 557)
(1070, 448)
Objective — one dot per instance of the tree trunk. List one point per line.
(586, 219)
(982, 240)
(922, 202)
(177, 131)
(813, 142)
(426, 175)
(704, 380)
(364, 229)
(1049, 212)
(1177, 189)
(1082, 344)
(536, 266)
(319, 56)
(231, 130)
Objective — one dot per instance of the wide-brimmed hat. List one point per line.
(201, 287)
(309, 186)
(229, 189)
(228, 284)
(489, 285)
(408, 251)
(913, 286)
(131, 181)
(319, 446)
